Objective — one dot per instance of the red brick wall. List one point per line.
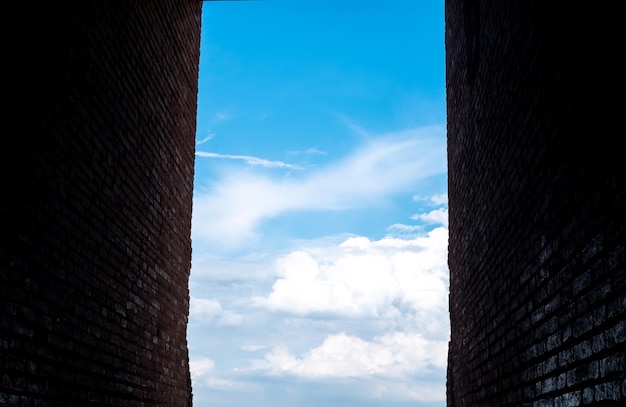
(537, 197)
(97, 179)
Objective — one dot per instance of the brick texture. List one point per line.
(97, 178)
(537, 199)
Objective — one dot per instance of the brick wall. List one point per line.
(97, 176)
(537, 198)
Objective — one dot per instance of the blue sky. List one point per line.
(319, 232)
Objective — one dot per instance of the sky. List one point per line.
(320, 221)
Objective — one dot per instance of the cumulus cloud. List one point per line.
(395, 354)
(393, 366)
(383, 306)
(229, 211)
(365, 279)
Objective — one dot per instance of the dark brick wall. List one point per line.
(536, 202)
(97, 175)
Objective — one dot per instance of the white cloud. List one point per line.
(230, 319)
(204, 308)
(437, 216)
(207, 311)
(210, 136)
(200, 367)
(253, 348)
(310, 151)
(373, 312)
(398, 356)
(255, 161)
(438, 199)
(228, 214)
(402, 228)
(364, 278)
(203, 374)
(352, 125)
(209, 269)
(416, 390)
(313, 150)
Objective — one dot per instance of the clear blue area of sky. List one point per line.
(319, 231)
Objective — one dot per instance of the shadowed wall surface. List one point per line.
(536, 205)
(97, 175)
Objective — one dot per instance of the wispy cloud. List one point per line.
(210, 136)
(404, 229)
(314, 151)
(438, 199)
(229, 212)
(221, 116)
(255, 161)
(253, 348)
(352, 125)
(437, 216)
(309, 151)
